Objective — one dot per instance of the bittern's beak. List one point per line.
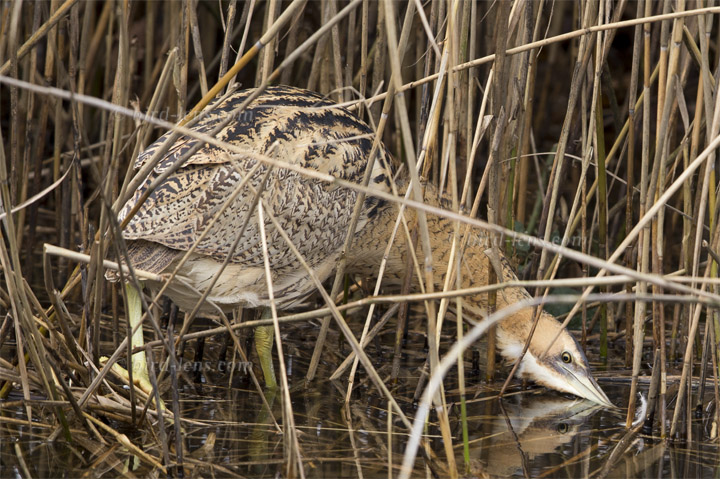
(585, 386)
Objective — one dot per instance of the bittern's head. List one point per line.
(554, 358)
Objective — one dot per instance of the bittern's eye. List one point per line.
(566, 357)
(562, 428)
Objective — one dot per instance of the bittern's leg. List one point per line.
(138, 361)
(264, 336)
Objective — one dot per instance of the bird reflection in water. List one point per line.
(526, 436)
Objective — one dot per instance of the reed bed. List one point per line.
(584, 133)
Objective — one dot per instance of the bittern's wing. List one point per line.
(288, 125)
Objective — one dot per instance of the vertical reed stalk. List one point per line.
(643, 239)
(602, 207)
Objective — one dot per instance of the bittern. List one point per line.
(209, 203)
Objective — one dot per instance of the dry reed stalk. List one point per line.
(292, 447)
(410, 159)
(599, 151)
(632, 94)
(340, 269)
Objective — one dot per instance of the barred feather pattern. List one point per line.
(288, 125)
(298, 127)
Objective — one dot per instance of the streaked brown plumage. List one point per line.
(288, 124)
(304, 129)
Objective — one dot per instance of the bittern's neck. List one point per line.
(553, 359)
(370, 245)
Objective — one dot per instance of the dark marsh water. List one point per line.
(227, 432)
